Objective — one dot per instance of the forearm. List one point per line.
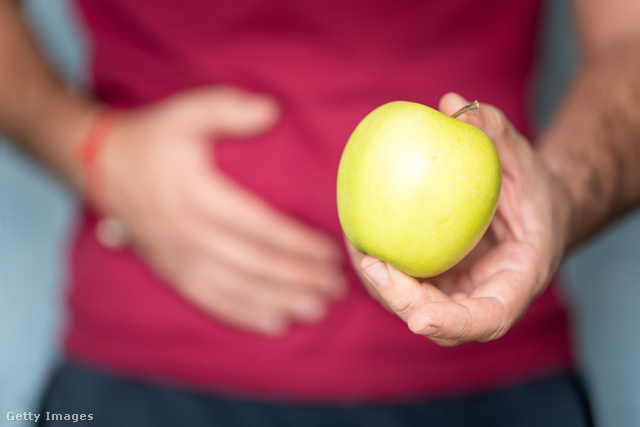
(37, 111)
(593, 145)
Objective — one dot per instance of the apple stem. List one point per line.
(475, 105)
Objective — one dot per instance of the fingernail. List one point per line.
(259, 104)
(309, 310)
(377, 273)
(273, 325)
(431, 331)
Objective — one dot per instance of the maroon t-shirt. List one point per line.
(328, 63)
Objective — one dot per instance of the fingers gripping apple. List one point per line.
(417, 188)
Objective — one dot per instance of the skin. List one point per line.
(220, 247)
(583, 174)
(484, 295)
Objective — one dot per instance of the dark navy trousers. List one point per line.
(111, 401)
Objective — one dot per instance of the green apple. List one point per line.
(417, 188)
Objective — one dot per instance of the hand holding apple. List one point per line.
(488, 291)
(417, 188)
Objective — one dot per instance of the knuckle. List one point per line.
(500, 123)
(500, 327)
(263, 262)
(402, 305)
(223, 91)
(463, 330)
(219, 99)
(177, 109)
(416, 324)
(498, 332)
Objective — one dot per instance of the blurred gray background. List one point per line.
(36, 215)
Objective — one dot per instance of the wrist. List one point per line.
(109, 230)
(564, 207)
(564, 210)
(71, 126)
(62, 122)
(87, 153)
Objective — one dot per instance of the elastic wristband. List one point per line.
(88, 152)
(109, 231)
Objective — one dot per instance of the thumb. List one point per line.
(486, 117)
(451, 102)
(223, 111)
